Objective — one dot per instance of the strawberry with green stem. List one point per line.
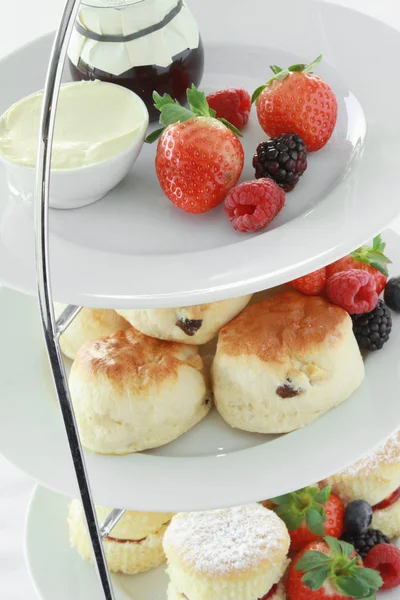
(309, 514)
(199, 157)
(329, 569)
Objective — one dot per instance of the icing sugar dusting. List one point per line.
(223, 541)
(387, 453)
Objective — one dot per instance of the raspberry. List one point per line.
(385, 558)
(312, 284)
(254, 204)
(232, 104)
(353, 290)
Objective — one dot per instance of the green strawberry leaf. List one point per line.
(275, 69)
(378, 245)
(292, 520)
(297, 68)
(315, 522)
(161, 101)
(368, 576)
(347, 549)
(350, 586)
(311, 560)
(230, 126)
(309, 68)
(258, 92)
(213, 113)
(316, 578)
(278, 500)
(323, 495)
(334, 545)
(154, 135)
(198, 102)
(174, 113)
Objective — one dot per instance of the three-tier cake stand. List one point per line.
(125, 253)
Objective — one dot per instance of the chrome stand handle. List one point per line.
(51, 331)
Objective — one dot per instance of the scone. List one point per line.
(89, 324)
(191, 324)
(135, 544)
(277, 592)
(376, 479)
(284, 362)
(238, 553)
(132, 392)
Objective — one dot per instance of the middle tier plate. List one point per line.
(212, 465)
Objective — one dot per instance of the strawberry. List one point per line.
(296, 101)
(330, 570)
(368, 258)
(312, 284)
(199, 158)
(310, 514)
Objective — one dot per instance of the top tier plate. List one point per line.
(134, 249)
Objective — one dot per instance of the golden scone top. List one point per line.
(286, 324)
(131, 353)
(228, 541)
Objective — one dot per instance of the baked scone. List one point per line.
(191, 324)
(237, 553)
(135, 543)
(277, 592)
(89, 324)
(132, 392)
(376, 479)
(284, 362)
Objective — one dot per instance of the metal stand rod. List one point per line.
(50, 99)
(66, 318)
(110, 522)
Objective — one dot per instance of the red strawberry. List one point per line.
(296, 101)
(310, 514)
(385, 558)
(232, 104)
(252, 205)
(312, 284)
(199, 158)
(368, 258)
(330, 570)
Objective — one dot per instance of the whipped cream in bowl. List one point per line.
(99, 133)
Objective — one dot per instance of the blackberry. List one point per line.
(372, 329)
(283, 159)
(392, 294)
(365, 541)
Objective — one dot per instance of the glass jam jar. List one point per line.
(144, 45)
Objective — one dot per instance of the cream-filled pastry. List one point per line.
(238, 553)
(133, 546)
(375, 478)
(132, 392)
(284, 362)
(191, 324)
(89, 324)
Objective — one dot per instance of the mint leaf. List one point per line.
(231, 127)
(350, 586)
(311, 560)
(154, 135)
(323, 495)
(316, 578)
(174, 113)
(334, 545)
(198, 102)
(161, 101)
(315, 522)
(258, 92)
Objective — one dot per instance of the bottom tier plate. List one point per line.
(59, 572)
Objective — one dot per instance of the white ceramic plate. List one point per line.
(134, 248)
(58, 571)
(212, 465)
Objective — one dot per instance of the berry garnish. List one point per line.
(369, 258)
(295, 100)
(232, 104)
(387, 502)
(199, 158)
(392, 294)
(252, 205)
(353, 290)
(358, 516)
(271, 593)
(363, 542)
(283, 159)
(372, 330)
(310, 514)
(312, 284)
(385, 558)
(329, 570)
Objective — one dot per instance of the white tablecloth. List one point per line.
(20, 22)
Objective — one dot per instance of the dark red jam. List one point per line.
(271, 592)
(185, 69)
(388, 501)
(119, 541)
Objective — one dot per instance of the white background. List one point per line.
(20, 22)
